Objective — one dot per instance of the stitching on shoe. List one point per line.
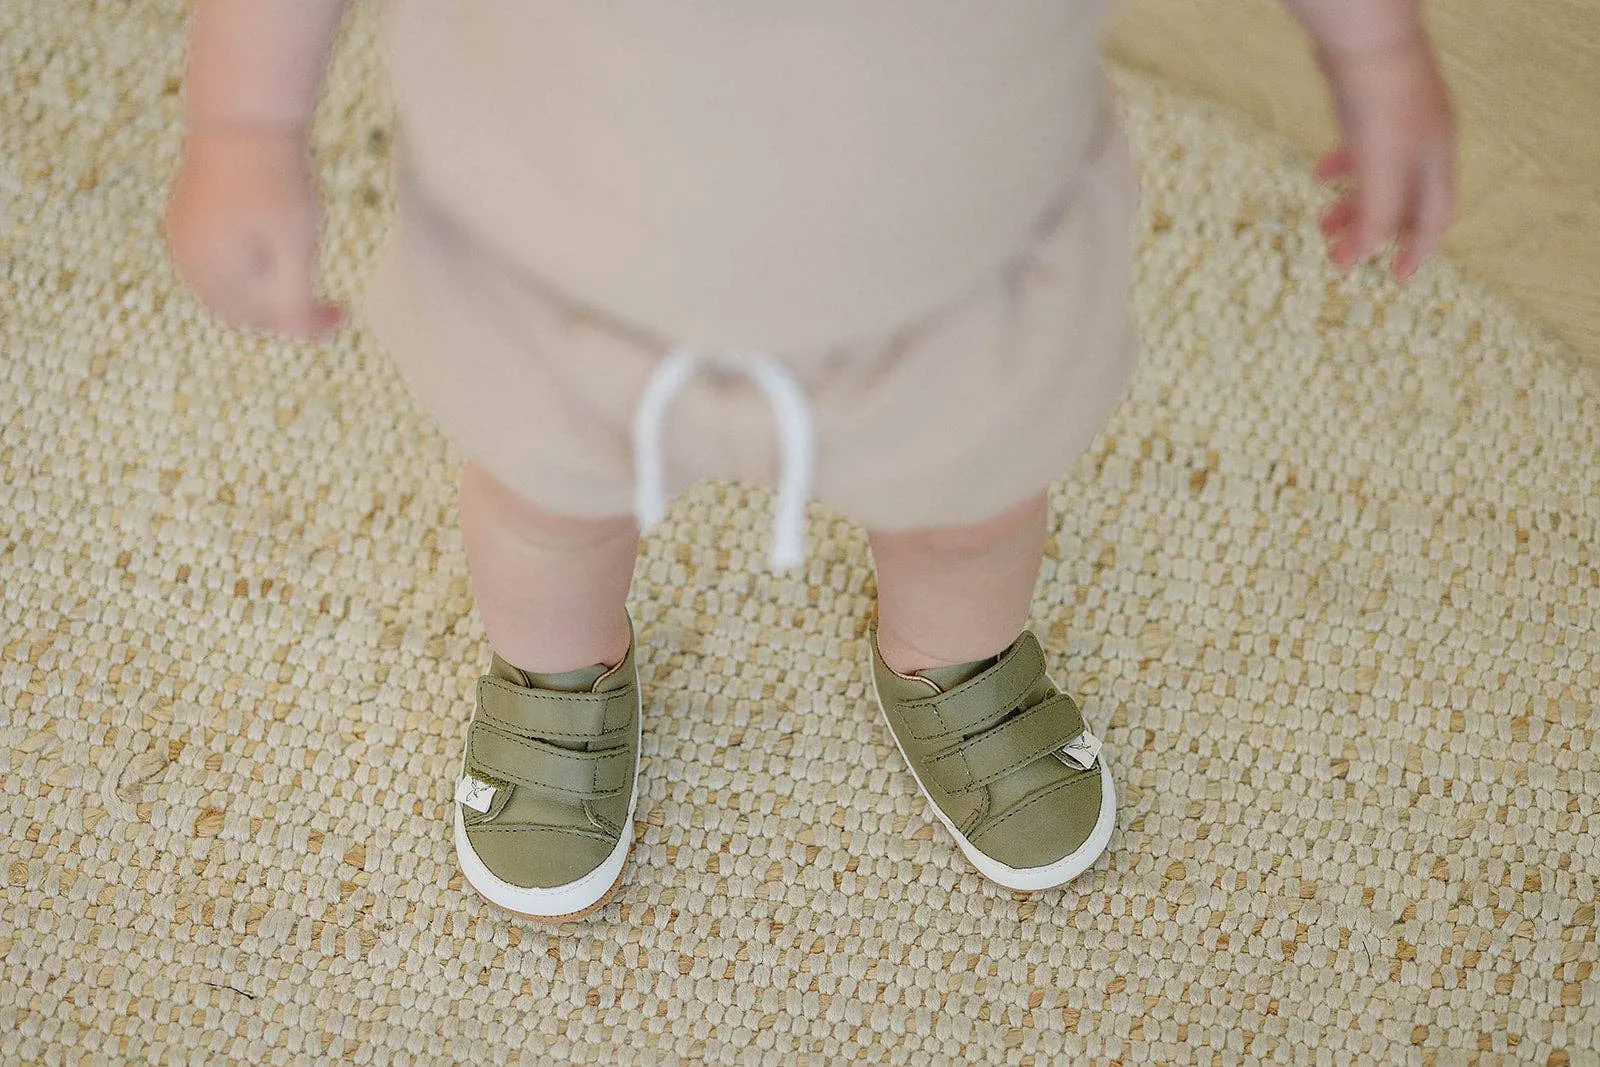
(977, 817)
(534, 828)
(931, 703)
(960, 751)
(556, 694)
(993, 776)
(519, 778)
(1010, 656)
(1037, 798)
(516, 730)
(601, 823)
(506, 688)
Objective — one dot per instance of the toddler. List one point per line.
(870, 254)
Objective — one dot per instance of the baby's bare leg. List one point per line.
(552, 589)
(952, 595)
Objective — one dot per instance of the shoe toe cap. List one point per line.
(1046, 828)
(538, 857)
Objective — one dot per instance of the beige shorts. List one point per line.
(951, 418)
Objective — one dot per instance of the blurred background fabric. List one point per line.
(1526, 80)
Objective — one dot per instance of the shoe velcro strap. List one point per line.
(496, 755)
(978, 702)
(546, 713)
(1001, 749)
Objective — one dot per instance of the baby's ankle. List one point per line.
(556, 651)
(904, 657)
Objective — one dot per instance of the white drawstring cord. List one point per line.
(650, 493)
(795, 431)
(798, 439)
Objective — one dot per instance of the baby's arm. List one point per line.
(1398, 145)
(242, 222)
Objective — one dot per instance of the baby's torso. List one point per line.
(753, 174)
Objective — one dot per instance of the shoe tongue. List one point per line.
(581, 680)
(950, 677)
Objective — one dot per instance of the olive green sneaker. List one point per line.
(544, 807)
(1006, 761)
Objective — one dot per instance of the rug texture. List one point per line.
(1328, 586)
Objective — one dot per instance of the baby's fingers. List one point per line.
(1335, 166)
(1337, 219)
(326, 318)
(1380, 200)
(1432, 206)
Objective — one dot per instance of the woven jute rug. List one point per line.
(1329, 584)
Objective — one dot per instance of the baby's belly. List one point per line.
(761, 174)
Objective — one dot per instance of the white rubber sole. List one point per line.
(560, 903)
(1023, 879)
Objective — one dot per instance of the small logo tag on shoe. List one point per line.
(1082, 750)
(474, 794)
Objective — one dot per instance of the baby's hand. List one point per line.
(1398, 153)
(242, 226)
